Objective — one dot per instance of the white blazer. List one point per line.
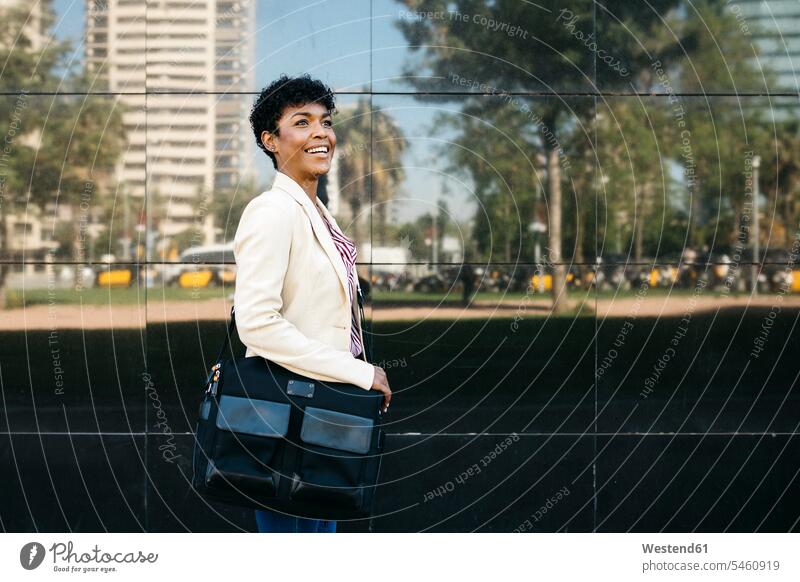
(291, 299)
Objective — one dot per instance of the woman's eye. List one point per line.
(301, 121)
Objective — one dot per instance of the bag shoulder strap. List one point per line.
(228, 335)
(367, 351)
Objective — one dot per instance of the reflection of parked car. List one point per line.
(149, 276)
(392, 281)
(203, 266)
(609, 274)
(444, 278)
(78, 276)
(779, 272)
(433, 283)
(122, 276)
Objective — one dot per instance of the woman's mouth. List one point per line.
(321, 151)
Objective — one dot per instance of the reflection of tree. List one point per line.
(416, 235)
(502, 174)
(721, 130)
(62, 149)
(701, 49)
(120, 218)
(551, 58)
(719, 57)
(781, 180)
(631, 139)
(356, 134)
(228, 205)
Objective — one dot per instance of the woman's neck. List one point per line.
(308, 184)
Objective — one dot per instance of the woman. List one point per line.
(296, 284)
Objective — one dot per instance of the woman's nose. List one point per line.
(319, 130)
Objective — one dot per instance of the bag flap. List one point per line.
(336, 430)
(250, 416)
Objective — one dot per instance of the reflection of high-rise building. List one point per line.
(774, 26)
(187, 139)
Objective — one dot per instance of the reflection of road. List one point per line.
(41, 317)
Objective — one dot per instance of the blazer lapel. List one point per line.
(291, 187)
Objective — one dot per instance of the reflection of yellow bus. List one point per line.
(207, 276)
(114, 277)
(194, 279)
(201, 267)
(545, 281)
(664, 276)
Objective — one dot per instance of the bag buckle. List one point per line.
(300, 388)
(213, 379)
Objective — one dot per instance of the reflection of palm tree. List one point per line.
(356, 134)
(784, 180)
(449, 50)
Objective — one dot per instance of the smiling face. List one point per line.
(304, 143)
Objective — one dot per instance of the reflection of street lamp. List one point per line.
(435, 239)
(754, 244)
(126, 221)
(436, 226)
(536, 227)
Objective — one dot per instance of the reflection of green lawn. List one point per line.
(115, 296)
(664, 292)
(454, 297)
(133, 296)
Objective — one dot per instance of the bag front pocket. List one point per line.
(332, 460)
(250, 434)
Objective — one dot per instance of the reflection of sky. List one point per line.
(70, 25)
(423, 163)
(69, 18)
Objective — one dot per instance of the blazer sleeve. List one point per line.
(261, 249)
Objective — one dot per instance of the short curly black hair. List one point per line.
(282, 93)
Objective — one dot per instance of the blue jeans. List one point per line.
(271, 521)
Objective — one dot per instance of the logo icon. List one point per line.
(31, 555)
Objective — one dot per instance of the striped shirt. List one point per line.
(347, 250)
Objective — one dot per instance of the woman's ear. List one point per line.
(268, 139)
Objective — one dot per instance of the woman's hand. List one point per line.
(381, 384)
